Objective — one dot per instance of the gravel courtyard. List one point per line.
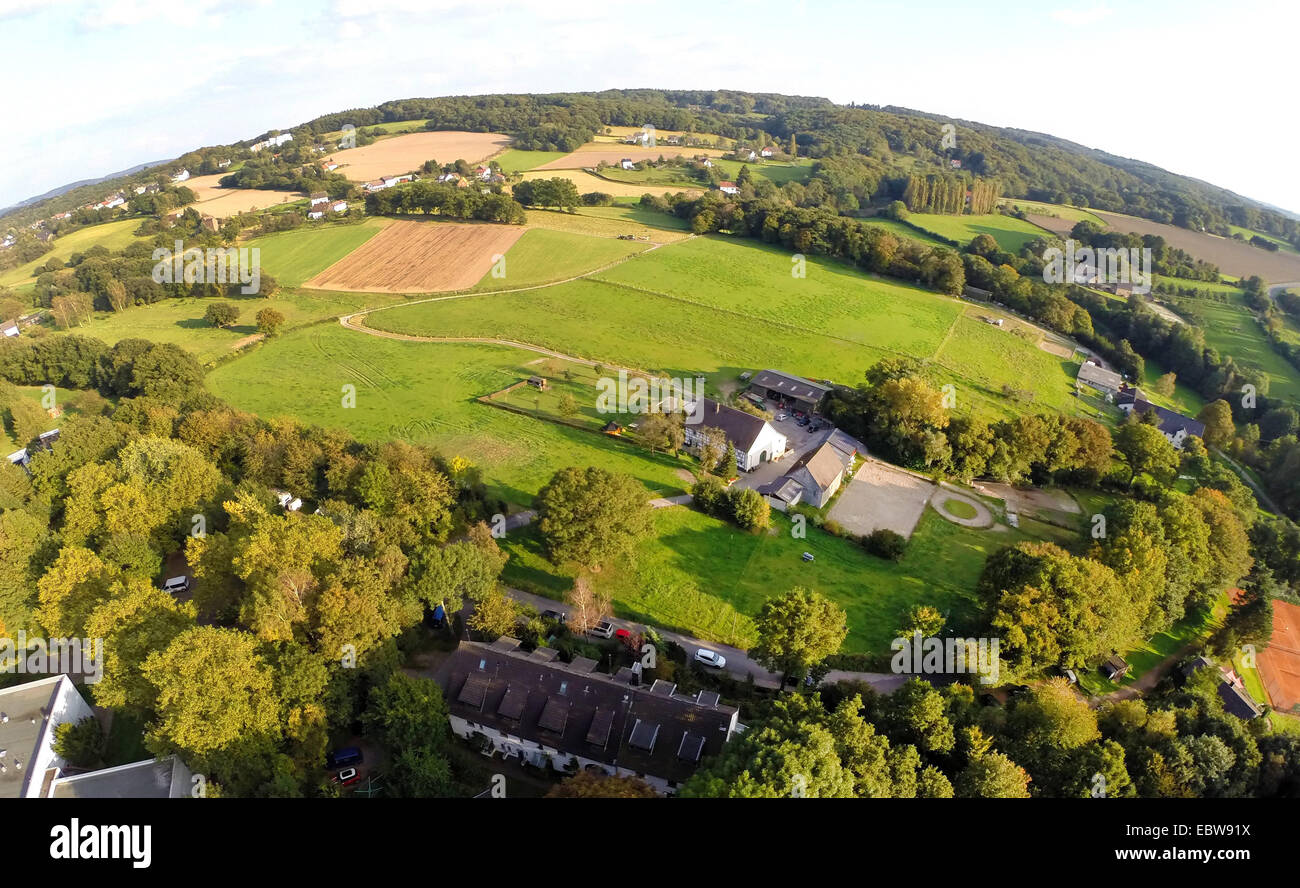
(879, 496)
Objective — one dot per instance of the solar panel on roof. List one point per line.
(708, 698)
(473, 691)
(691, 747)
(512, 704)
(598, 733)
(555, 715)
(644, 735)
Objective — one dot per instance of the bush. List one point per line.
(885, 543)
(221, 314)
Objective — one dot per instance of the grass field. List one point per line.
(587, 183)
(612, 222)
(898, 229)
(776, 171)
(426, 392)
(181, 320)
(293, 257)
(1247, 233)
(716, 307)
(1074, 214)
(1233, 330)
(702, 576)
(110, 235)
(542, 256)
(1010, 233)
(68, 399)
(513, 160)
(637, 214)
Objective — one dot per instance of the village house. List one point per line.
(181, 176)
(789, 392)
(627, 164)
(272, 142)
(1174, 426)
(728, 188)
(534, 709)
(767, 151)
(813, 479)
(9, 328)
(319, 197)
(1093, 375)
(321, 210)
(755, 439)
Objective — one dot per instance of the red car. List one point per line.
(622, 633)
(346, 777)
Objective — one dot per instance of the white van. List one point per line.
(176, 584)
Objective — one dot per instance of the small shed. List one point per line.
(1114, 668)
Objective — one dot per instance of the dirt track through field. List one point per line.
(420, 257)
(589, 157)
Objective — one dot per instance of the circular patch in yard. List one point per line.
(959, 508)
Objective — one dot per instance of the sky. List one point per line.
(1199, 88)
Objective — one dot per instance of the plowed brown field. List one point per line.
(420, 257)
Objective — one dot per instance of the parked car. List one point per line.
(623, 633)
(710, 658)
(349, 755)
(176, 584)
(603, 629)
(346, 777)
(555, 615)
(781, 417)
(808, 556)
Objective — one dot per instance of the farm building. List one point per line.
(728, 188)
(1095, 376)
(180, 176)
(627, 164)
(813, 479)
(793, 392)
(767, 151)
(9, 328)
(33, 711)
(1174, 426)
(535, 709)
(754, 438)
(319, 197)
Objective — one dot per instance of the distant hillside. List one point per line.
(895, 142)
(64, 189)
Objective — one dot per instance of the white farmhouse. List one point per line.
(754, 438)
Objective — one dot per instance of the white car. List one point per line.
(780, 417)
(711, 658)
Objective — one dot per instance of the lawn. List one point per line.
(1192, 628)
(1010, 233)
(427, 393)
(69, 400)
(180, 320)
(294, 257)
(1184, 399)
(110, 235)
(702, 576)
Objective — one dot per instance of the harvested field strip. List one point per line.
(420, 257)
(402, 154)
